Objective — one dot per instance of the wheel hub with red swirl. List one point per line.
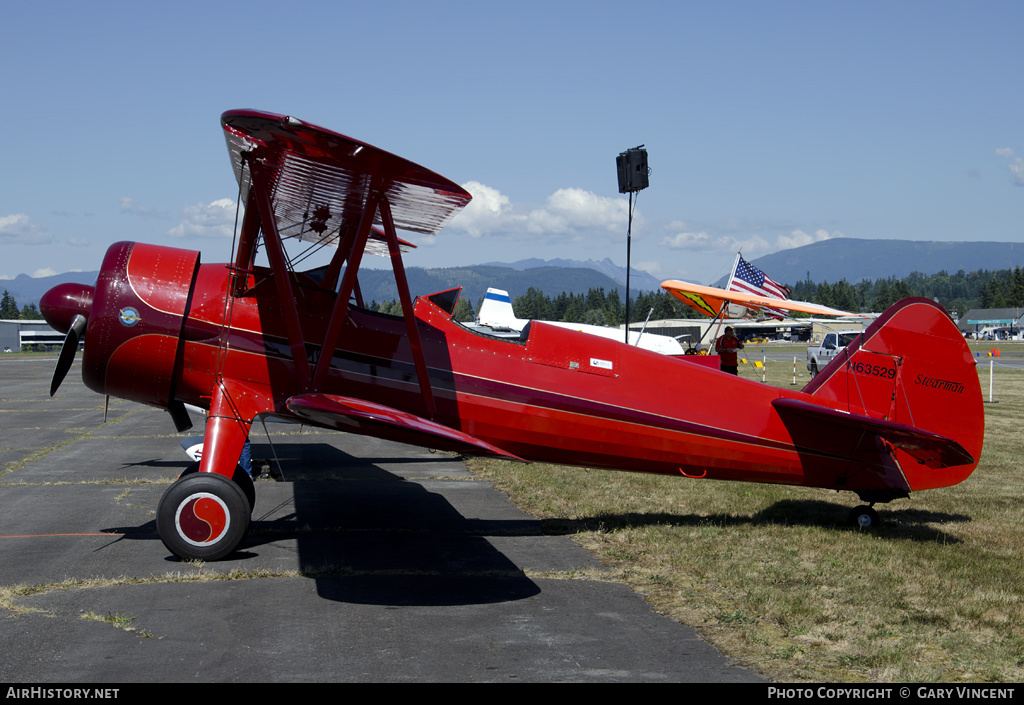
(203, 516)
(202, 519)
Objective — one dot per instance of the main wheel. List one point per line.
(864, 518)
(203, 516)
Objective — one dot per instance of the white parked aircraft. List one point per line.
(496, 313)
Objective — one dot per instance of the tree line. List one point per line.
(9, 309)
(957, 293)
(597, 307)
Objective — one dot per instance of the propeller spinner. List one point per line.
(66, 308)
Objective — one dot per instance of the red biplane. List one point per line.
(900, 411)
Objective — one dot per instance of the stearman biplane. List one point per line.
(247, 341)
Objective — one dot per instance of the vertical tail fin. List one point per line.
(496, 310)
(912, 367)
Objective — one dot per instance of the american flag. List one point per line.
(748, 279)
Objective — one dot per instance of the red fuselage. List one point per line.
(557, 396)
(163, 329)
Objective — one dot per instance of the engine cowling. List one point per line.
(135, 313)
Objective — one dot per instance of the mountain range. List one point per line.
(379, 284)
(639, 280)
(854, 259)
(827, 261)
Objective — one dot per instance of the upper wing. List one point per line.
(380, 242)
(710, 300)
(302, 181)
(321, 180)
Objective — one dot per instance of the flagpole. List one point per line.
(728, 284)
(732, 274)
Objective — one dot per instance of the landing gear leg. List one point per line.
(205, 515)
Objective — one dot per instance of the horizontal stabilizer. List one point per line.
(929, 449)
(372, 419)
(193, 447)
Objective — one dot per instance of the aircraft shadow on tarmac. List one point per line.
(898, 524)
(368, 536)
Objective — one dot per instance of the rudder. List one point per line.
(912, 366)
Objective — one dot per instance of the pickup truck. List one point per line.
(820, 355)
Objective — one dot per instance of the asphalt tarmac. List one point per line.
(368, 562)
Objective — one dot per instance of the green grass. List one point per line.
(774, 577)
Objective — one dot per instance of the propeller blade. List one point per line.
(68, 352)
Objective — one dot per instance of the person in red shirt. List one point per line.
(726, 348)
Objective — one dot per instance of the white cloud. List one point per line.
(489, 211)
(690, 241)
(653, 267)
(132, 207)
(576, 215)
(1017, 171)
(752, 246)
(703, 242)
(798, 238)
(45, 272)
(568, 211)
(215, 219)
(17, 229)
(1016, 165)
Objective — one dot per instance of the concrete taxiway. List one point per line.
(368, 561)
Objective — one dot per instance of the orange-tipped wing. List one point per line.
(710, 301)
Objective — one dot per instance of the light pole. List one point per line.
(633, 174)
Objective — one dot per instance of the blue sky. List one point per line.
(768, 125)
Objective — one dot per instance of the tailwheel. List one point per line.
(203, 516)
(864, 517)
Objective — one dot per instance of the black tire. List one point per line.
(240, 478)
(202, 516)
(814, 368)
(864, 517)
